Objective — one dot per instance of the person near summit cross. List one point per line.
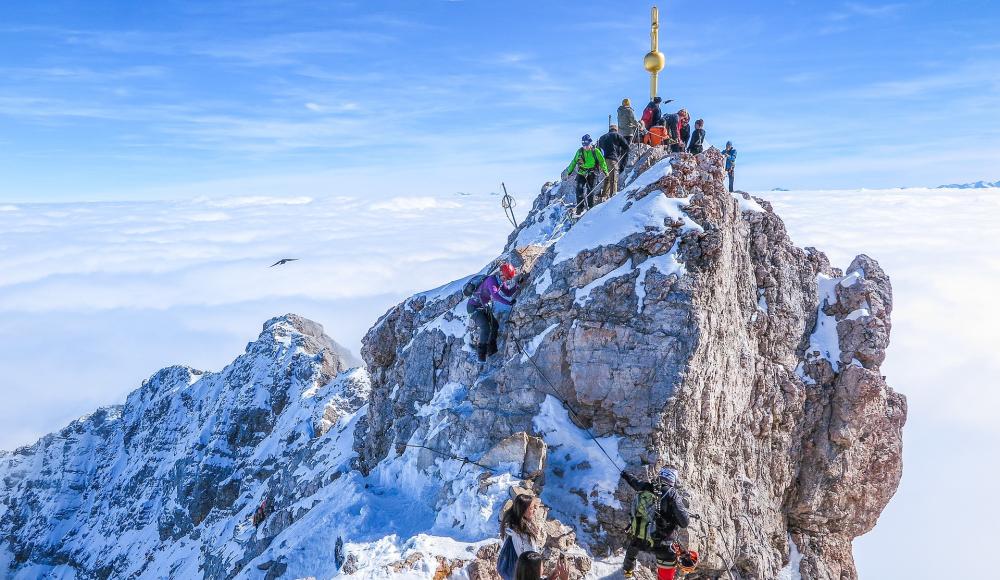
(587, 162)
(697, 144)
(614, 147)
(656, 136)
(628, 126)
(657, 514)
(652, 115)
(677, 125)
(730, 154)
(488, 305)
(685, 130)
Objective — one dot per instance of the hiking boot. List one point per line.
(481, 352)
(627, 573)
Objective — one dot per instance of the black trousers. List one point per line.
(488, 330)
(585, 191)
(664, 554)
(731, 172)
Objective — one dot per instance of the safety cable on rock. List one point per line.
(464, 460)
(508, 203)
(555, 393)
(729, 563)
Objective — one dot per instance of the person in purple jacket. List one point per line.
(489, 303)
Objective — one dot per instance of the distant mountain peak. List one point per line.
(971, 185)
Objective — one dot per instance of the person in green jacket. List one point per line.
(587, 161)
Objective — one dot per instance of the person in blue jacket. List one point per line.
(730, 154)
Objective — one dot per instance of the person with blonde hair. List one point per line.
(628, 126)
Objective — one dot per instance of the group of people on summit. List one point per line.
(658, 512)
(653, 128)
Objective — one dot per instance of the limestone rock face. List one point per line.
(678, 324)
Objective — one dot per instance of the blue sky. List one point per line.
(124, 100)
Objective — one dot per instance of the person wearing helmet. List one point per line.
(587, 161)
(628, 125)
(730, 154)
(490, 304)
(657, 514)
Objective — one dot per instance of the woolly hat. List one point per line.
(626, 103)
(668, 475)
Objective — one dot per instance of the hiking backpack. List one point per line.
(646, 516)
(507, 561)
(644, 508)
(473, 284)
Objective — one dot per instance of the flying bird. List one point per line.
(282, 262)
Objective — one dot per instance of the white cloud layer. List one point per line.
(96, 296)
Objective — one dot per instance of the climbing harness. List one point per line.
(508, 202)
(687, 560)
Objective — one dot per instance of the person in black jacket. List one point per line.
(685, 130)
(697, 144)
(670, 515)
(614, 146)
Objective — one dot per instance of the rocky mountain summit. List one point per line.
(675, 323)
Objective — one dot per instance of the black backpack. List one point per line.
(473, 284)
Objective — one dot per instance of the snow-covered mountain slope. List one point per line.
(677, 322)
(971, 185)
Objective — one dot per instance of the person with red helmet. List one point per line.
(489, 305)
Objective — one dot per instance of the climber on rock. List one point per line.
(697, 144)
(656, 136)
(657, 513)
(679, 131)
(490, 303)
(614, 147)
(627, 123)
(587, 162)
(652, 115)
(730, 154)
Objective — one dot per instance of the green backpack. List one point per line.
(644, 508)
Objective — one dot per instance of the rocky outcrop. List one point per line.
(679, 324)
(675, 323)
